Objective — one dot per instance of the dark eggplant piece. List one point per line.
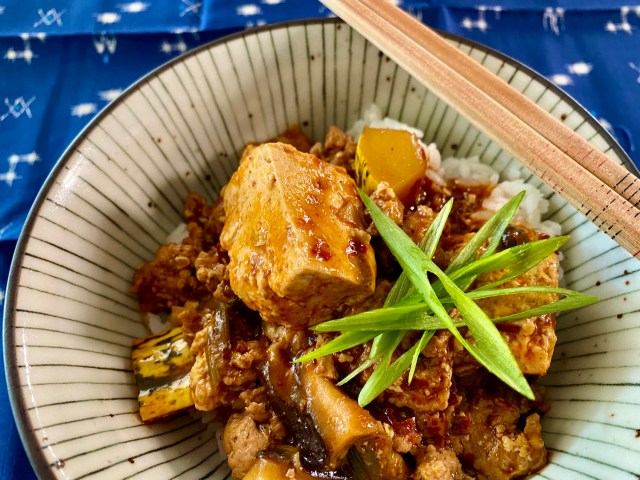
(288, 401)
(218, 343)
(340, 421)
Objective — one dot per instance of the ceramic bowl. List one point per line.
(118, 192)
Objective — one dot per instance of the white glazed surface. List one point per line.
(118, 192)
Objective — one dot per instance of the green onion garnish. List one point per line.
(415, 304)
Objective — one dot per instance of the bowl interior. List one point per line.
(119, 191)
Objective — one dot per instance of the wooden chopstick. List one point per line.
(610, 172)
(593, 183)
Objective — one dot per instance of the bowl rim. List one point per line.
(15, 390)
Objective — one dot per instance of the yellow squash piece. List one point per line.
(393, 156)
(161, 364)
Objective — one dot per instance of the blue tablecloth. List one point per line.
(62, 61)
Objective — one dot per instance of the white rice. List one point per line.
(468, 169)
(178, 234)
(156, 323)
(532, 208)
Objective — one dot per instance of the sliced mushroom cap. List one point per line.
(344, 425)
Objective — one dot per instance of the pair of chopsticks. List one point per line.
(604, 191)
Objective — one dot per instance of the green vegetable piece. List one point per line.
(161, 364)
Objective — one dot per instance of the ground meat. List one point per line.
(429, 390)
(256, 404)
(432, 194)
(467, 201)
(193, 316)
(243, 438)
(435, 426)
(169, 279)
(438, 464)
(338, 148)
(196, 236)
(468, 198)
(417, 221)
(387, 200)
(406, 441)
(488, 436)
(296, 137)
(452, 244)
(212, 269)
(402, 429)
(239, 372)
(204, 221)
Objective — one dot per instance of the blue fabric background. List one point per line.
(61, 62)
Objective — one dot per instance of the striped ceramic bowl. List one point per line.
(118, 192)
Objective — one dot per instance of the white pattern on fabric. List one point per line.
(26, 53)
(257, 23)
(636, 68)
(133, 7)
(17, 108)
(248, 10)
(179, 46)
(49, 18)
(190, 7)
(623, 25)
(10, 175)
(606, 124)
(561, 79)
(178, 30)
(83, 109)
(553, 18)
(108, 18)
(580, 68)
(480, 22)
(110, 95)
(105, 45)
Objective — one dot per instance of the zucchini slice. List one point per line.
(161, 364)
